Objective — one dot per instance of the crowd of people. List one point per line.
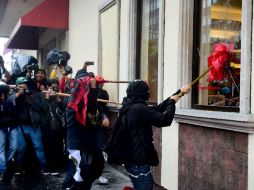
(39, 130)
(54, 133)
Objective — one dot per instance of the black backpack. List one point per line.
(118, 145)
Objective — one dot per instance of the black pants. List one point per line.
(91, 165)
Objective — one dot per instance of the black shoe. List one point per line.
(68, 185)
(9, 172)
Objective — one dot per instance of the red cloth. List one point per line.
(79, 99)
(218, 59)
(66, 84)
(100, 80)
(61, 84)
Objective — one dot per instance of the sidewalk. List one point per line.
(37, 181)
(117, 180)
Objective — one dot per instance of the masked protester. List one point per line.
(84, 125)
(8, 132)
(140, 118)
(29, 106)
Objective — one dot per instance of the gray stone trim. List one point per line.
(132, 39)
(185, 43)
(241, 122)
(220, 120)
(161, 51)
(246, 35)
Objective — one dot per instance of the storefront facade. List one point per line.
(210, 144)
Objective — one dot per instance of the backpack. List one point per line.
(118, 146)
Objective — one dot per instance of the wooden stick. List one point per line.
(99, 100)
(200, 76)
(108, 101)
(117, 81)
(12, 86)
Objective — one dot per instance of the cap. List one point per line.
(21, 80)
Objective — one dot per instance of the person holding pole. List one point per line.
(139, 119)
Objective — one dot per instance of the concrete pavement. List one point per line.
(37, 181)
(117, 180)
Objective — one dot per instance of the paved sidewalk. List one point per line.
(36, 181)
(117, 180)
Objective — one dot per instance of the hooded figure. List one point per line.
(139, 119)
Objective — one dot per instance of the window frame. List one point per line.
(243, 120)
(135, 42)
(196, 64)
(102, 8)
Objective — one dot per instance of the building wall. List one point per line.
(83, 33)
(169, 162)
(212, 158)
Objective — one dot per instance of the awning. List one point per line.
(51, 14)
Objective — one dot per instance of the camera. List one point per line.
(32, 67)
(62, 62)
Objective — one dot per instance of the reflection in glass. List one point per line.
(149, 45)
(220, 23)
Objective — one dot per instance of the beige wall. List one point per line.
(124, 47)
(169, 163)
(83, 33)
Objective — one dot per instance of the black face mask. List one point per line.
(138, 89)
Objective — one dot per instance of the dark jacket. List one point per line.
(140, 118)
(80, 137)
(7, 114)
(30, 109)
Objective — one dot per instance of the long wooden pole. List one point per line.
(99, 100)
(200, 76)
(117, 81)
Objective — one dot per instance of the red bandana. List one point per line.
(78, 100)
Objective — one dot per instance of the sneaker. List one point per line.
(45, 172)
(54, 173)
(17, 173)
(74, 160)
(102, 180)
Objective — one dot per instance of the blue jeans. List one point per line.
(10, 134)
(141, 176)
(34, 133)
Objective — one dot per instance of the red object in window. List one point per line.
(218, 60)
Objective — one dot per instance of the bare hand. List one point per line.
(186, 89)
(92, 83)
(21, 90)
(105, 122)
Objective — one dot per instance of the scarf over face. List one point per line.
(137, 92)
